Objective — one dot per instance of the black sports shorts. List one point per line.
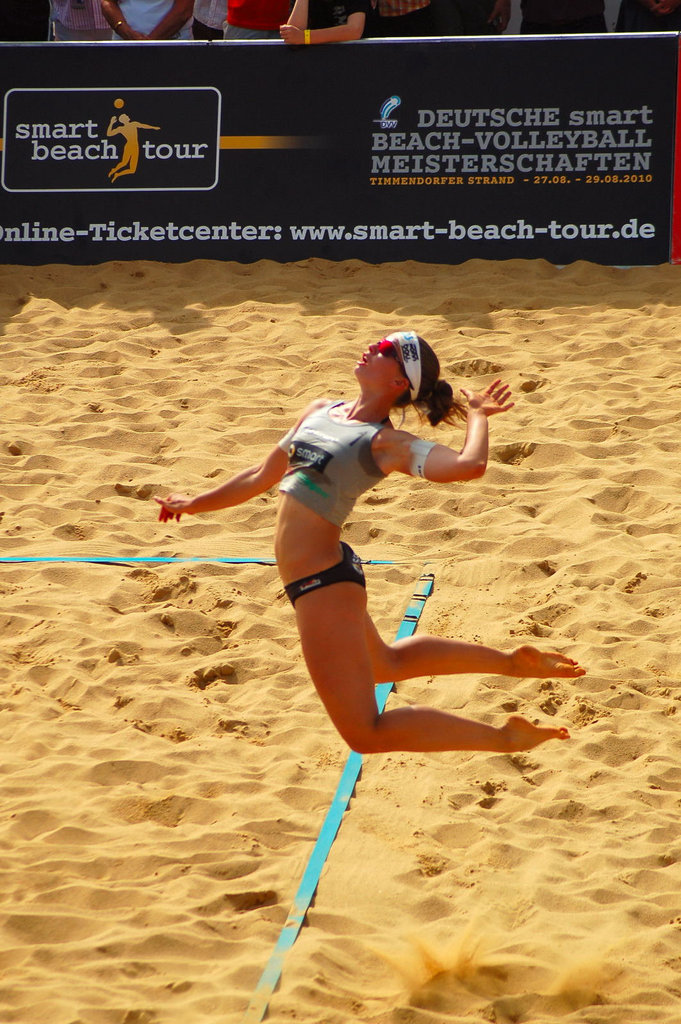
(348, 570)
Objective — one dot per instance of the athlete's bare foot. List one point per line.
(527, 662)
(519, 734)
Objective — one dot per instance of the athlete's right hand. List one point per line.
(173, 506)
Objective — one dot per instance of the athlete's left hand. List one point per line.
(490, 402)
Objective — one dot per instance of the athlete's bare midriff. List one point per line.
(304, 543)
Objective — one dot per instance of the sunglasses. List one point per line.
(390, 349)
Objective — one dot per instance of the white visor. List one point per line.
(410, 352)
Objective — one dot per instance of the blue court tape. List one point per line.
(122, 560)
(270, 977)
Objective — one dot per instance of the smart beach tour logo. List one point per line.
(105, 140)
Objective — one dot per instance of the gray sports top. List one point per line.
(330, 464)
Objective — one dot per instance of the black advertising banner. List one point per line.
(432, 150)
(676, 188)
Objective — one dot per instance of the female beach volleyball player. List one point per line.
(337, 451)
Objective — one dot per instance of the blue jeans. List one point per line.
(236, 32)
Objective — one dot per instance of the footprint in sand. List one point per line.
(513, 454)
(474, 368)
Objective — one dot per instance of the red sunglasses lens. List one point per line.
(386, 348)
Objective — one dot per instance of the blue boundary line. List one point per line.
(122, 560)
(294, 922)
(154, 559)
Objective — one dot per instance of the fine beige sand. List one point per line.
(166, 765)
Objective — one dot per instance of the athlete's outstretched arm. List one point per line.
(246, 484)
(399, 450)
(444, 465)
(237, 489)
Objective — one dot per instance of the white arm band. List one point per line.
(286, 440)
(419, 452)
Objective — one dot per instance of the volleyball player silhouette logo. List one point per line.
(129, 130)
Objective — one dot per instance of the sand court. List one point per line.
(166, 762)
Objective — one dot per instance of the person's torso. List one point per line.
(555, 12)
(331, 463)
(144, 15)
(266, 15)
(212, 13)
(86, 14)
(329, 13)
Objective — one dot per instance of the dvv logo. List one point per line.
(104, 140)
(385, 118)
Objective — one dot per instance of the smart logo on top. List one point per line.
(105, 140)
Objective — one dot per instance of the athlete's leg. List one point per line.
(333, 632)
(431, 656)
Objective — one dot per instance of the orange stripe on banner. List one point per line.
(266, 142)
(676, 190)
